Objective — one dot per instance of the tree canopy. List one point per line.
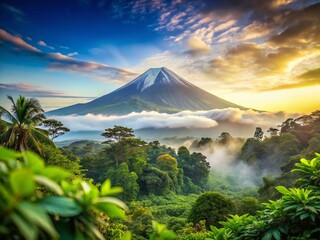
(22, 131)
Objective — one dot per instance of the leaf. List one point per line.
(28, 230)
(49, 184)
(22, 182)
(55, 173)
(107, 190)
(7, 154)
(283, 190)
(105, 187)
(113, 201)
(126, 236)
(34, 162)
(111, 210)
(267, 236)
(304, 216)
(276, 234)
(62, 206)
(37, 215)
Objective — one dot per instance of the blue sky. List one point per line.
(260, 54)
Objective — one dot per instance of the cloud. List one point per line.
(184, 119)
(18, 43)
(224, 25)
(309, 78)
(15, 12)
(253, 31)
(72, 54)
(59, 61)
(32, 91)
(141, 120)
(196, 46)
(43, 44)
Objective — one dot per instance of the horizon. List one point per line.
(261, 56)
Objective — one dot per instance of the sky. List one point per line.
(261, 54)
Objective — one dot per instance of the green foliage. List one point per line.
(219, 233)
(155, 181)
(54, 127)
(36, 201)
(141, 221)
(59, 157)
(246, 205)
(20, 129)
(117, 134)
(211, 207)
(258, 134)
(311, 172)
(168, 163)
(296, 215)
(127, 180)
(160, 232)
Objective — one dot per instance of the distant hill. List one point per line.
(157, 89)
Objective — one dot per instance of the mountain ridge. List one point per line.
(157, 89)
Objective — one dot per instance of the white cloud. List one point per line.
(43, 44)
(195, 45)
(72, 54)
(91, 122)
(184, 119)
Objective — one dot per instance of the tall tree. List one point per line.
(258, 134)
(117, 134)
(273, 131)
(54, 127)
(22, 125)
(124, 147)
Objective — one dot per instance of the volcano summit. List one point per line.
(157, 89)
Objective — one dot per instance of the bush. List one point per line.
(211, 207)
(36, 201)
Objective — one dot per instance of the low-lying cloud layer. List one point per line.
(184, 119)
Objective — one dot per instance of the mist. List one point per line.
(225, 164)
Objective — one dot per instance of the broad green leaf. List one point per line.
(282, 190)
(7, 154)
(126, 236)
(304, 216)
(168, 235)
(62, 206)
(111, 210)
(85, 186)
(37, 215)
(105, 187)
(49, 184)
(267, 236)
(34, 162)
(113, 201)
(28, 230)
(115, 190)
(276, 234)
(22, 182)
(55, 173)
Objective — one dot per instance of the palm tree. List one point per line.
(20, 129)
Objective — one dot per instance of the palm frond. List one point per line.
(42, 137)
(4, 113)
(34, 144)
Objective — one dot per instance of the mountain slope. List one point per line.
(157, 89)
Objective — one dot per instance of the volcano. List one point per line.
(157, 89)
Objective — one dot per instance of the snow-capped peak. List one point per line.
(150, 77)
(157, 75)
